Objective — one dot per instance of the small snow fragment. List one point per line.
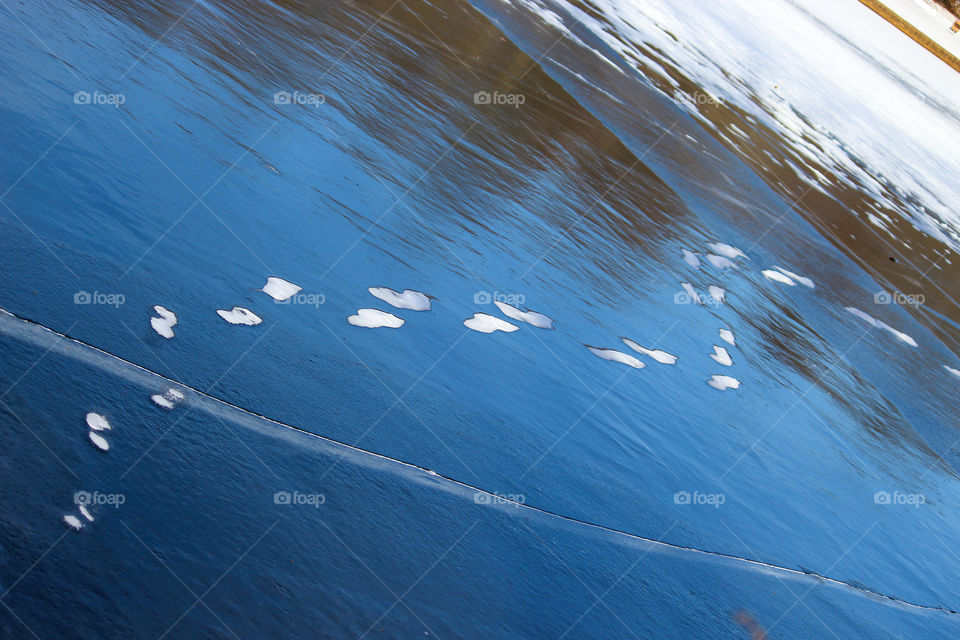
(73, 522)
(99, 441)
(660, 356)
(485, 323)
(530, 317)
(280, 289)
(407, 299)
(776, 276)
(97, 422)
(239, 315)
(727, 336)
(723, 382)
(616, 356)
(721, 355)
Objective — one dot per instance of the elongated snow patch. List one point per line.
(73, 522)
(239, 315)
(726, 250)
(280, 289)
(721, 262)
(97, 422)
(691, 258)
(85, 512)
(727, 336)
(717, 294)
(807, 282)
(406, 299)
(879, 324)
(723, 382)
(722, 356)
(374, 319)
(616, 356)
(776, 276)
(691, 293)
(952, 370)
(99, 441)
(530, 317)
(485, 323)
(660, 356)
(169, 399)
(165, 322)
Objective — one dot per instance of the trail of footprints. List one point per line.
(721, 257)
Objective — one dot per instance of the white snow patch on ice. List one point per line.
(879, 324)
(407, 299)
(807, 282)
(721, 355)
(163, 325)
(727, 336)
(73, 522)
(691, 258)
(485, 323)
(723, 382)
(99, 441)
(530, 317)
(239, 315)
(374, 319)
(720, 262)
(726, 250)
(280, 289)
(776, 276)
(97, 422)
(660, 356)
(616, 356)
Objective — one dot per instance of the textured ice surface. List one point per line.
(280, 289)
(374, 319)
(485, 323)
(530, 317)
(407, 299)
(239, 315)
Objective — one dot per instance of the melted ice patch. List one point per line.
(99, 441)
(721, 355)
(616, 356)
(807, 282)
(73, 522)
(97, 422)
(169, 399)
(485, 323)
(723, 382)
(776, 276)
(691, 258)
(407, 299)
(280, 289)
(85, 512)
(879, 324)
(239, 315)
(727, 336)
(720, 262)
(374, 319)
(717, 294)
(691, 292)
(660, 356)
(726, 251)
(530, 317)
(163, 324)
